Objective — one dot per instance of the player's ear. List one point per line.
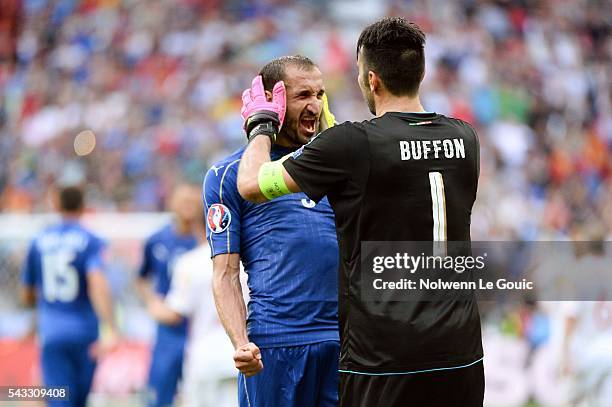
(373, 81)
(268, 96)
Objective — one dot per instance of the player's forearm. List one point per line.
(101, 299)
(256, 154)
(168, 317)
(27, 297)
(569, 329)
(162, 313)
(144, 290)
(230, 305)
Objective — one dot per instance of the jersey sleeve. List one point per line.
(476, 146)
(28, 271)
(222, 205)
(477, 154)
(322, 166)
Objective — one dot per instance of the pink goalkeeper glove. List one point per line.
(261, 116)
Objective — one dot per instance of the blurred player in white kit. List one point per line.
(588, 342)
(208, 370)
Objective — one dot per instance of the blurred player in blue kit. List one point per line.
(287, 347)
(209, 376)
(154, 277)
(64, 276)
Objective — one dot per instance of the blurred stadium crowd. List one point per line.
(159, 84)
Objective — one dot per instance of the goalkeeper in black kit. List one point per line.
(405, 175)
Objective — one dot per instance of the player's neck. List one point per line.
(390, 103)
(70, 217)
(284, 141)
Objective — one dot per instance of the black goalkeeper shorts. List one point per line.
(462, 387)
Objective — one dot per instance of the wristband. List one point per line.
(266, 129)
(263, 122)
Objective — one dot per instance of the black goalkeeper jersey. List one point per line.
(399, 177)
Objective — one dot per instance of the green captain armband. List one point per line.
(271, 181)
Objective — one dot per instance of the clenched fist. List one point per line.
(247, 359)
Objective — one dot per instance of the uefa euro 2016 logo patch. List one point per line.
(218, 218)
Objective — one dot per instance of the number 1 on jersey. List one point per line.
(438, 207)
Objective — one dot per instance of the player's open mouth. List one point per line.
(309, 124)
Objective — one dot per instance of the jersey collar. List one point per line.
(414, 115)
(279, 151)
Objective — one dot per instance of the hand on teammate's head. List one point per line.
(255, 100)
(296, 100)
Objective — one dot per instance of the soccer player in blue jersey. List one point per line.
(63, 275)
(160, 252)
(287, 343)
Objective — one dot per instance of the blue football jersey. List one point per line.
(56, 265)
(288, 248)
(161, 251)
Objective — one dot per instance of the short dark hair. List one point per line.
(274, 70)
(71, 199)
(394, 49)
